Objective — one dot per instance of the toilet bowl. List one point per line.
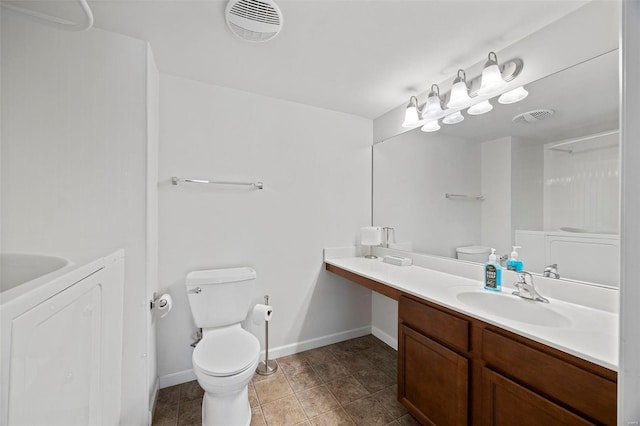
(225, 360)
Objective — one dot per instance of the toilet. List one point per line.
(478, 254)
(226, 358)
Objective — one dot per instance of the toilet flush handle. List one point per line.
(196, 290)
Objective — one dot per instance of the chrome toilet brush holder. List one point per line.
(266, 367)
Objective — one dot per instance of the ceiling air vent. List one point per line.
(254, 20)
(533, 116)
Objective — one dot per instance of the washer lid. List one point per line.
(474, 249)
(226, 352)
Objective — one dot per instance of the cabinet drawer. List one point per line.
(440, 325)
(589, 394)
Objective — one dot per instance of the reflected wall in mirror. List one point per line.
(549, 184)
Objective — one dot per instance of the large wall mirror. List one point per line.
(542, 173)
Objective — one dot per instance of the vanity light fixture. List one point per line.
(481, 108)
(454, 118)
(459, 92)
(433, 109)
(513, 96)
(431, 126)
(411, 114)
(492, 81)
(479, 90)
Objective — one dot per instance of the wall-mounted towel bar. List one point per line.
(257, 185)
(464, 197)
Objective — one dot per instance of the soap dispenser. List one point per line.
(493, 273)
(515, 264)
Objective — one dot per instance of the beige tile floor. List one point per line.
(348, 383)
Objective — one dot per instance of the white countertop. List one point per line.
(590, 334)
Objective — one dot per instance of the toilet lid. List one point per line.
(474, 249)
(226, 352)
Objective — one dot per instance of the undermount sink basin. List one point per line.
(515, 308)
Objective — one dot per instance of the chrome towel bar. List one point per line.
(175, 180)
(464, 197)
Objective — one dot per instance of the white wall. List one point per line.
(411, 174)
(73, 162)
(316, 169)
(496, 189)
(384, 319)
(527, 170)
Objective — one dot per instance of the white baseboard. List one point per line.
(277, 352)
(385, 337)
(177, 378)
(317, 342)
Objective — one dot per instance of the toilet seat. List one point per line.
(226, 352)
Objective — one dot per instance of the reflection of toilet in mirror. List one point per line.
(226, 358)
(478, 254)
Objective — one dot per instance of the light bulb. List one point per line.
(454, 118)
(431, 126)
(513, 96)
(433, 109)
(411, 116)
(459, 92)
(492, 81)
(481, 108)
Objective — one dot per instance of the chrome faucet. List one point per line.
(388, 231)
(551, 271)
(527, 290)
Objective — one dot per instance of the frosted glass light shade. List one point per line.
(459, 96)
(492, 81)
(411, 116)
(431, 126)
(513, 96)
(481, 108)
(433, 109)
(454, 118)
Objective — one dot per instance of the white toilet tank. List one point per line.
(220, 297)
(479, 254)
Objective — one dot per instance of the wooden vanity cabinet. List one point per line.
(457, 370)
(433, 363)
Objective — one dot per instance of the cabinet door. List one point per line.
(506, 403)
(433, 380)
(56, 359)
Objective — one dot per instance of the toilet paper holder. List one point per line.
(159, 303)
(266, 367)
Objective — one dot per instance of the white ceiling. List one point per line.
(355, 56)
